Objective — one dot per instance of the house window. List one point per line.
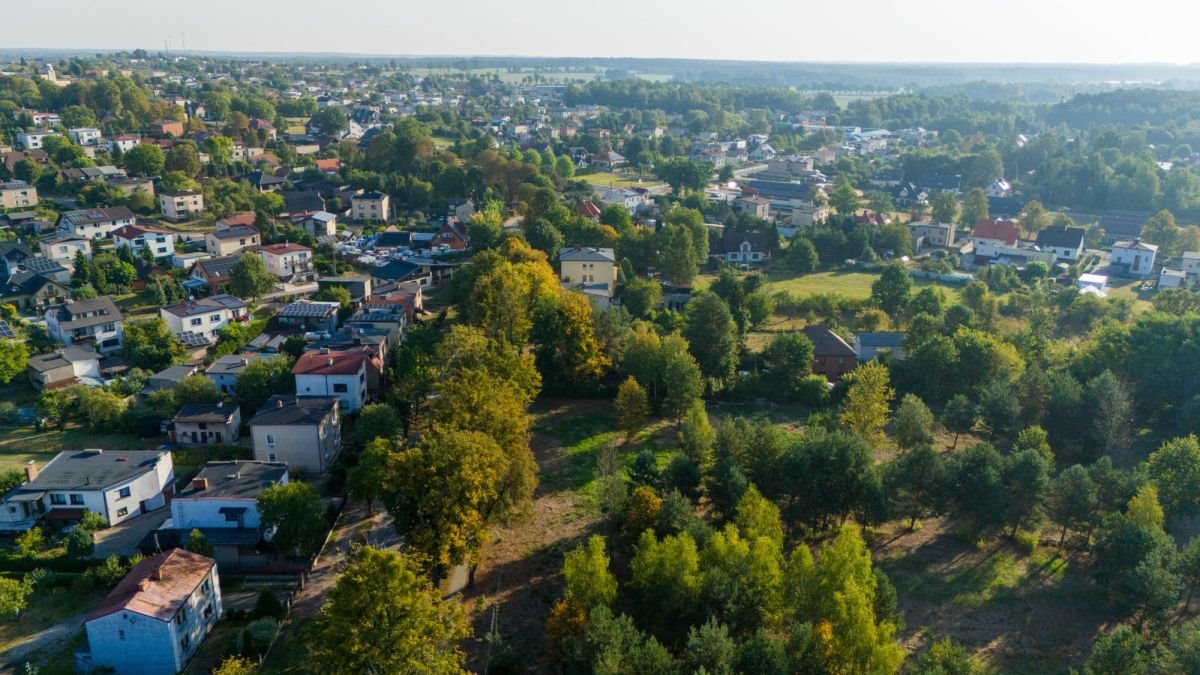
(340, 388)
(196, 322)
(58, 499)
(271, 441)
(272, 458)
(123, 511)
(214, 318)
(123, 493)
(181, 616)
(120, 634)
(77, 499)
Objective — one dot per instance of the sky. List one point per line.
(954, 31)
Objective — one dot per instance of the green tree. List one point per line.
(696, 435)
(261, 379)
(79, 544)
(976, 487)
(195, 389)
(1162, 231)
(410, 625)
(249, 277)
(944, 208)
(788, 359)
(865, 410)
(298, 516)
(368, 479)
(145, 159)
(633, 407)
(30, 542)
(1175, 470)
(1117, 652)
(545, 237)
(485, 226)
(1026, 476)
(1072, 501)
(712, 337)
(913, 423)
(974, 207)
(892, 289)
(757, 518)
(198, 543)
(149, 345)
(845, 199)
(960, 416)
(586, 578)
(667, 580)
(14, 356)
(13, 596)
(677, 254)
(1034, 219)
(801, 256)
(916, 480)
(376, 420)
(641, 296)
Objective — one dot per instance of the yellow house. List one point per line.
(595, 269)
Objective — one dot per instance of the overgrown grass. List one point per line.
(19, 444)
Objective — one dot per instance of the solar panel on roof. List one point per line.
(305, 310)
(6, 331)
(192, 339)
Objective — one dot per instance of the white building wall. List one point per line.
(204, 512)
(323, 385)
(133, 644)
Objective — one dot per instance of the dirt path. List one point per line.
(520, 577)
(48, 639)
(353, 525)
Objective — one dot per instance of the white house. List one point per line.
(97, 322)
(1133, 258)
(153, 622)
(225, 370)
(96, 223)
(206, 316)
(629, 199)
(182, 205)
(1191, 266)
(34, 140)
(86, 136)
(62, 247)
(124, 143)
(64, 367)
(286, 259)
(869, 345)
(1066, 243)
(998, 188)
(137, 237)
(117, 485)
(330, 373)
(1171, 278)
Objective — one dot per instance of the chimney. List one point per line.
(31, 470)
(156, 574)
(331, 360)
(144, 584)
(245, 361)
(279, 403)
(199, 483)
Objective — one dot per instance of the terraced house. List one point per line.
(96, 321)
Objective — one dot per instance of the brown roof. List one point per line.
(281, 249)
(332, 164)
(135, 231)
(1005, 230)
(243, 218)
(332, 363)
(179, 573)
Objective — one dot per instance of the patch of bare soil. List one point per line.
(520, 576)
(1019, 612)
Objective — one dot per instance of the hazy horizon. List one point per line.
(930, 32)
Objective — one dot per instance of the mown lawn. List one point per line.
(606, 179)
(20, 444)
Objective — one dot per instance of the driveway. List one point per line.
(123, 539)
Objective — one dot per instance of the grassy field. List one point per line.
(607, 179)
(20, 444)
(1131, 289)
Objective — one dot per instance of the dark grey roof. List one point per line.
(940, 181)
(15, 250)
(308, 310)
(262, 179)
(586, 254)
(235, 479)
(219, 267)
(101, 310)
(93, 216)
(234, 363)
(885, 339)
(216, 413)
(1061, 237)
(372, 196)
(294, 410)
(826, 342)
(93, 469)
(234, 232)
(782, 189)
(1123, 224)
(60, 358)
(169, 377)
(27, 283)
(296, 201)
(1005, 206)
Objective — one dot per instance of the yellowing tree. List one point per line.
(865, 412)
(383, 617)
(633, 407)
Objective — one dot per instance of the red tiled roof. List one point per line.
(588, 209)
(333, 363)
(332, 164)
(1005, 230)
(179, 573)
